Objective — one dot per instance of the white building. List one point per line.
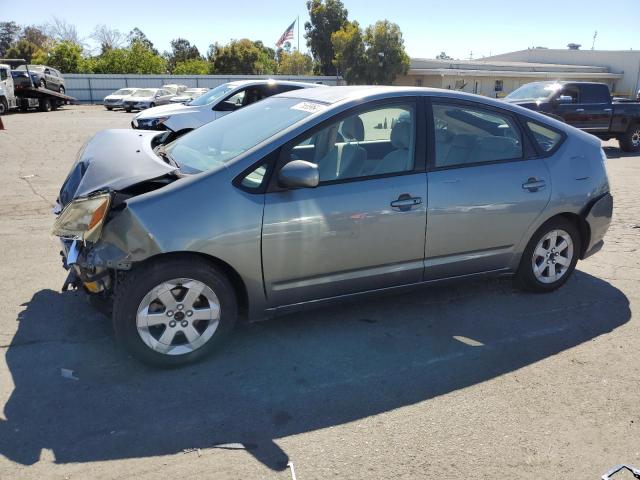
(499, 75)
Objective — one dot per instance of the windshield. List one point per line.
(144, 93)
(534, 91)
(123, 91)
(218, 142)
(212, 94)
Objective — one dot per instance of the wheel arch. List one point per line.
(239, 287)
(581, 225)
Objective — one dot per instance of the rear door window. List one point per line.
(594, 93)
(468, 135)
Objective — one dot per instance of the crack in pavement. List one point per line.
(35, 192)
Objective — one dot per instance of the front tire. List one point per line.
(173, 312)
(550, 257)
(4, 106)
(42, 83)
(630, 140)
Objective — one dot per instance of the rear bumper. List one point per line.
(598, 218)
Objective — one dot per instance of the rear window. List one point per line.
(546, 138)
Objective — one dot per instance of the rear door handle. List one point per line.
(534, 184)
(579, 110)
(405, 202)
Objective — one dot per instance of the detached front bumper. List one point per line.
(598, 217)
(82, 275)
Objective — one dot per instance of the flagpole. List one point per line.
(298, 33)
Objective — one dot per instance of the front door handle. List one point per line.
(534, 184)
(579, 110)
(406, 202)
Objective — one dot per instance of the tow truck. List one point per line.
(24, 98)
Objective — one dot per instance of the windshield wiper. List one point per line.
(161, 151)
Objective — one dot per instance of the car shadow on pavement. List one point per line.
(275, 379)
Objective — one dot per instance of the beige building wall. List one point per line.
(626, 62)
(481, 85)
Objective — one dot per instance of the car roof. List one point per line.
(264, 81)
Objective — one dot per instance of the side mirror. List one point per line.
(565, 99)
(226, 107)
(299, 174)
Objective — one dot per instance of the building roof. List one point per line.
(485, 67)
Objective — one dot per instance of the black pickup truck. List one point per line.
(584, 105)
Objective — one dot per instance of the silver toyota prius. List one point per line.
(319, 194)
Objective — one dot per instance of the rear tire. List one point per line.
(550, 257)
(128, 110)
(630, 140)
(109, 108)
(45, 105)
(153, 318)
(151, 105)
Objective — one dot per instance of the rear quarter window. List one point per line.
(546, 138)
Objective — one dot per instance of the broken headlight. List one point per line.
(83, 218)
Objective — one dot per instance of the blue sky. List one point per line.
(458, 27)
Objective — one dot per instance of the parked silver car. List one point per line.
(147, 98)
(116, 99)
(319, 194)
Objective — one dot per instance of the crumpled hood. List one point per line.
(166, 110)
(113, 159)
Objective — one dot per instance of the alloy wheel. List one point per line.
(635, 138)
(178, 316)
(552, 256)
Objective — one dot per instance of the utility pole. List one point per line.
(595, 34)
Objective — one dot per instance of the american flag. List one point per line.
(287, 35)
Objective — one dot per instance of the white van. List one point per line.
(219, 101)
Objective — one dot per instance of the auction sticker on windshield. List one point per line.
(308, 107)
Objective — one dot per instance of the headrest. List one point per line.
(401, 135)
(353, 129)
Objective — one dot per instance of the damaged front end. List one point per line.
(93, 219)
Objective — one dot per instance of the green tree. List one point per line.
(8, 34)
(350, 58)
(23, 49)
(325, 18)
(242, 57)
(137, 35)
(181, 51)
(138, 59)
(386, 56)
(36, 36)
(294, 63)
(194, 66)
(443, 56)
(65, 56)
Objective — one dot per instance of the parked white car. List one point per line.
(188, 95)
(147, 98)
(174, 88)
(116, 98)
(216, 103)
